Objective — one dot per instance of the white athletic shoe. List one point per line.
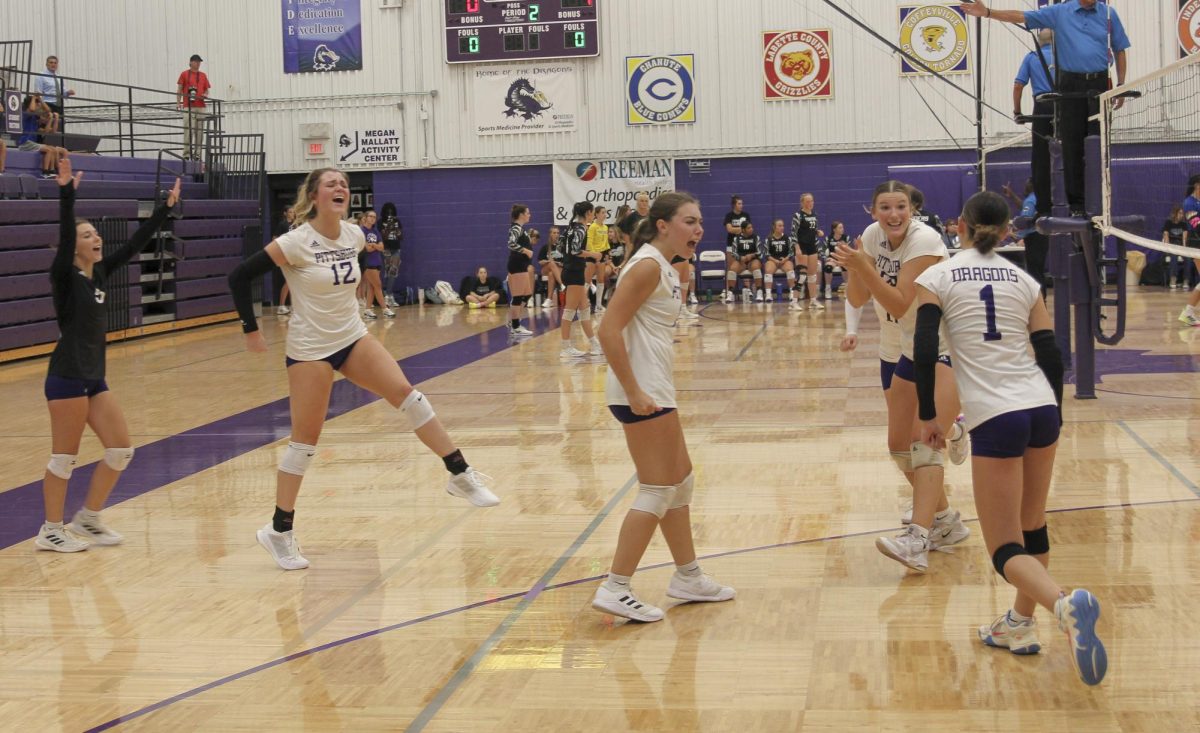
(686, 314)
(906, 517)
(598, 310)
(59, 540)
(828, 294)
(594, 348)
(907, 548)
(693, 300)
(1187, 320)
(521, 331)
(625, 604)
(282, 310)
(390, 302)
(699, 588)
(948, 530)
(369, 315)
(797, 305)
(1077, 615)
(770, 296)
(958, 448)
(283, 547)
(1019, 638)
(389, 312)
(815, 305)
(549, 303)
(472, 486)
(94, 530)
(570, 352)
(758, 296)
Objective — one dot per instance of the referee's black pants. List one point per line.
(1073, 117)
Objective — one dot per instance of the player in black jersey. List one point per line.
(735, 220)
(777, 252)
(805, 233)
(76, 393)
(550, 259)
(837, 235)
(746, 258)
(928, 218)
(520, 255)
(575, 257)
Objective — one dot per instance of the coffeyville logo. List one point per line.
(935, 34)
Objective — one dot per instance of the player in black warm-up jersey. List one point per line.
(735, 220)
(519, 284)
(928, 218)
(575, 255)
(76, 393)
(805, 232)
(745, 258)
(777, 252)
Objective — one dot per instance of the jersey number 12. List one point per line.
(348, 273)
(989, 302)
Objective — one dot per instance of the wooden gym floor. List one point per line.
(422, 613)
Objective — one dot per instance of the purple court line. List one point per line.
(181, 455)
(538, 588)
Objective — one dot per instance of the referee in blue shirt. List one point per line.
(1033, 73)
(1082, 30)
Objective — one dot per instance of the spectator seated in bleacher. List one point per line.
(480, 290)
(3, 152)
(35, 116)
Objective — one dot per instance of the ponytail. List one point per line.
(986, 217)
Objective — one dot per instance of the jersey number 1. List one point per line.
(348, 273)
(989, 302)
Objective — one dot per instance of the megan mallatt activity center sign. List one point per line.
(320, 36)
(608, 183)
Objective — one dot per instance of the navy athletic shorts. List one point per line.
(886, 370)
(907, 371)
(66, 388)
(625, 414)
(1009, 434)
(336, 359)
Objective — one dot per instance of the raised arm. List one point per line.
(143, 234)
(64, 256)
(979, 10)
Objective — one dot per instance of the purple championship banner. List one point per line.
(320, 36)
(514, 30)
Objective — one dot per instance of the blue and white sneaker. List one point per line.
(1018, 638)
(1077, 615)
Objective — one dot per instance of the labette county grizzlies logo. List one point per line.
(937, 35)
(522, 99)
(660, 90)
(797, 65)
(1189, 27)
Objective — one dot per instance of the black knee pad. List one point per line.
(1003, 554)
(1037, 542)
(518, 299)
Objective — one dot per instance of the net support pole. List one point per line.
(979, 101)
(1061, 248)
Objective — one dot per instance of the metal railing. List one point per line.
(14, 55)
(124, 120)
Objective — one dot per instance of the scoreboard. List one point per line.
(512, 30)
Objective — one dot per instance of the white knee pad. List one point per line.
(61, 465)
(585, 315)
(757, 274)
(730, 276)
(118, 458)
(812, 279)
(769, 279)
(296, 458)
(416, 406)
(903, 460)
(568, 314)
(923, 455)
(683, 492)
(654, 500)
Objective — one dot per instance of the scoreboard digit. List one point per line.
(513, 30)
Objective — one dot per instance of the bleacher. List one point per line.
(179, 280)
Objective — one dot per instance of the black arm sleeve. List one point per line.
(254, 266)
(137, 242)
(1049, 360)
(64, 257)
(925, 354)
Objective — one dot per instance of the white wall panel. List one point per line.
(148, 42)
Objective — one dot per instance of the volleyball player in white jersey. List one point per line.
(319, 258)
(895, 250)
(993, 312)
(637, 335)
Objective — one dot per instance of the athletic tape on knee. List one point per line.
(923, 456)
(118, 458)
(654, 500)
(683, 492)
(1037, 542)
(296, 458)
(417, 408)
(61, 465)
(903, 460)
(1003, 554)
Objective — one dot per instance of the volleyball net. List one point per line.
(1006, 163)
(1149, 149)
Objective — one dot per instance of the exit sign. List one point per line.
(315, 150)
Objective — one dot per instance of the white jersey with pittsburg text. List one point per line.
(919, 241)
(650, 335)
(986, 301)
(322, 275)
